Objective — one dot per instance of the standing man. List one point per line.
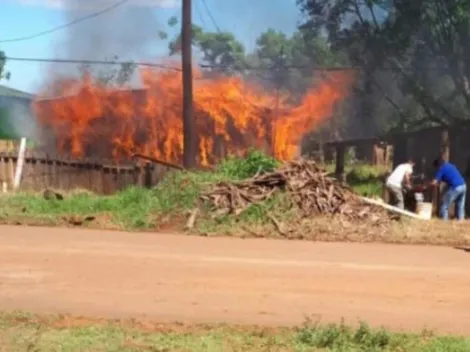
(400, 177)
(456, 190)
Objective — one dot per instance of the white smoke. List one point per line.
(131, 32)
(22, 120)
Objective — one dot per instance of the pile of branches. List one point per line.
(307, 186)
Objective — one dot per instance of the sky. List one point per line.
(128, 32)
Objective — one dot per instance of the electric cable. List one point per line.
(66, 25)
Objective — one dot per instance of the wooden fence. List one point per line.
(422, 146)
(43, 171)
(372, 151)
(452, 143)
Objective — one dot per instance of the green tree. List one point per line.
(280, 62)
(290, 62)
(220, 50)
(4, 114)
(413, 56)
(112, 76)
(3, 74)
(276, 53)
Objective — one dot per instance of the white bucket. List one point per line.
(424, 210)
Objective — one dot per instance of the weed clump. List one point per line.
(21, 331)
(167, 204)
(241, 168)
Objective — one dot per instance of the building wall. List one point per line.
(15, 114)
(426, 145)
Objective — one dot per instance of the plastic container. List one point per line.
(424, 210)
(419, 197)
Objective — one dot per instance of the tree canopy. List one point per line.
(411, 58)
(220, 50)
(278, 61)
(113, 75)
(3, 74)
(413, 54)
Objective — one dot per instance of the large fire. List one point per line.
(231, 116)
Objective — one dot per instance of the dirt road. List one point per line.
(194, 279)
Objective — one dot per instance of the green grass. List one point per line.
(366, 180)
(369, 189)
(168, 204)
(139, 209)
(23, 332)
(133, 208)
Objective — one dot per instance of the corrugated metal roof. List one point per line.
(11, 92)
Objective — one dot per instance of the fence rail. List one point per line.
(102, 176)
(423, 146)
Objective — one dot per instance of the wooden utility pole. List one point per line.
(189, 124)
(279, 81)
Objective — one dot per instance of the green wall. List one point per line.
(6, 128)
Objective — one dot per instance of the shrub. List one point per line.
(241, 168)
(365, 173)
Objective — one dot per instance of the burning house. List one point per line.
(231, 115)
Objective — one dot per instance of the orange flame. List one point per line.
(230, 114)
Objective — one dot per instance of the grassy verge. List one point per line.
(134, 208)
(137, 208)
(167, 206)
(22, 332)
(366, 180)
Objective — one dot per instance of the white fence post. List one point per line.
(20, 164)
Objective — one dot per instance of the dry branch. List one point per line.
(157, 161)
(277, 225)
(192, 218)
(308, 187)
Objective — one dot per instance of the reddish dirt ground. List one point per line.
(164, 277)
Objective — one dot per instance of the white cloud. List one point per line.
(96, 4)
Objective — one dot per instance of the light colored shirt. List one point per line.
(398, 175)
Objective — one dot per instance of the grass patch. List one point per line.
(369, 189)
(366, 180)
(167, 206)
(132, 209)
(23, 332)
(137, 208)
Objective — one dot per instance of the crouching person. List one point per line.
(399, 178)
(456, 190)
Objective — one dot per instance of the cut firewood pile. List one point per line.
(307, 186)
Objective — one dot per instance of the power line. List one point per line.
(172, 68)
(314, 68)
(199, 13)
(206, 66)
(63, 26)
(98, 62)
(167, 67)
(214, 22)
(243, 62)
(209, 13)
